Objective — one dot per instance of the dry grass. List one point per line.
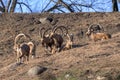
(84, 59)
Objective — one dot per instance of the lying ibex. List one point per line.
(23, 49)
(53, 41)
(97, 35)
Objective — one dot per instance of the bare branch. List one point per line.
(66, 6)
(2, 9)
(2, 4)
(13, 5)
(25, 5)
(52, 8)
(60, 10)
(21, 8)
(8, 5)
(46, 6)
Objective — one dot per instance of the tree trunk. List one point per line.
(14, 2)
(8, 6)
(115, 6)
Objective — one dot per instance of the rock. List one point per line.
(12, 66)
(100, 78)
(45, 20)
(36, 70)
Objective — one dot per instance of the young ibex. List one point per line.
(97, 35)
(23, 49)
(53, 41)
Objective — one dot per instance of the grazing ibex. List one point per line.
(97, 35)
(23, 49)
(53, 40)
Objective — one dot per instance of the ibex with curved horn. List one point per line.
(54, 40)
(45, 40)
(96, 27)
(23, 49)
(97, 35)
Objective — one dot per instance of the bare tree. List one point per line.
(22, 3)
(11, 5)
(8, 6)
(115, 6)
(74, 6)
(60, 6)
(2, 7)
(14, 2)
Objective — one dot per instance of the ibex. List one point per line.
(54, 40)
(23, 49)
(45, 40)
(97, 35)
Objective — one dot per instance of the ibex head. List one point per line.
(95, 27)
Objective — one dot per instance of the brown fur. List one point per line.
(24, 49)
(98, 36)
(54, 40)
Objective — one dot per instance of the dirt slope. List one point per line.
(86, 61)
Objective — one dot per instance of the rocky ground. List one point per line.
(87, 60)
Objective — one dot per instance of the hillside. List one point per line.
(87, 60)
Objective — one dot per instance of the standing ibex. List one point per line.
(97, 35)
(45, 40)
(23, 49)
(53, 40)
